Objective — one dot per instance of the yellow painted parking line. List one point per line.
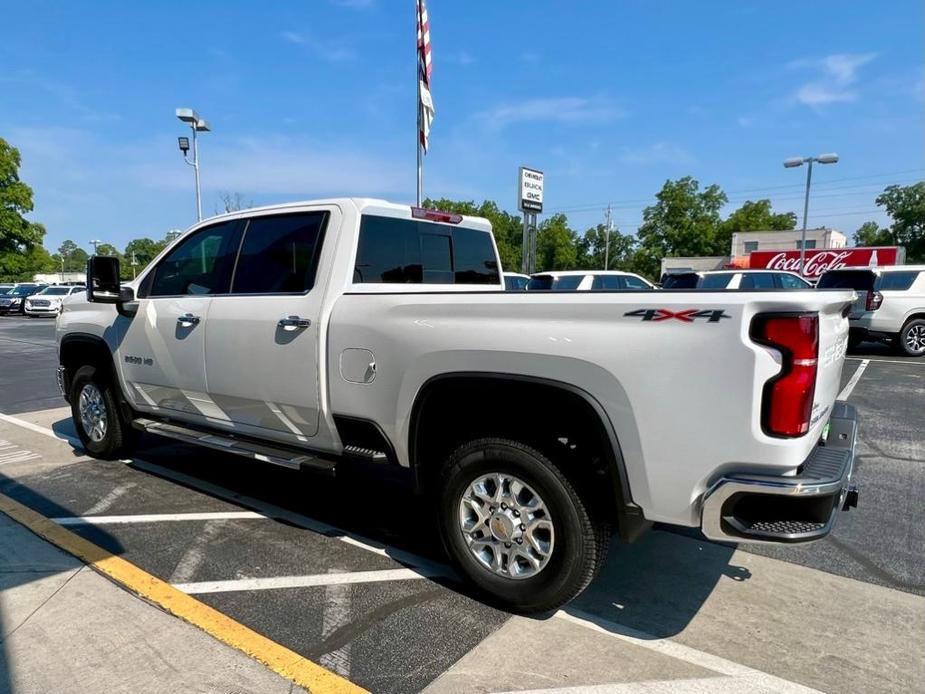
(279, 659)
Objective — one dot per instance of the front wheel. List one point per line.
(911, 339)
(101, 428)
(516, 526)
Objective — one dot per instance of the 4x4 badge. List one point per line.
(712, 315)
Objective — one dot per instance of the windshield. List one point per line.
(25, 290)
(55, 291)
(861, 280)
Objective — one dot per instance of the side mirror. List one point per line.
(103, 285)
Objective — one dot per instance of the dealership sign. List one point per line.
(819, 261)
(529, 190)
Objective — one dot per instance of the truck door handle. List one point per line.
(291, 323)
(187, 320)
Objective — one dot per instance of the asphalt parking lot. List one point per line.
(346, 573)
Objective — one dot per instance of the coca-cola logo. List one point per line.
(816, 264)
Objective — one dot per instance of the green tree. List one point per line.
(75, 257)
(906, 207)
(870, 234)
(556, 244)
(757, 216)
(684, 221)
(18, 236)
(507, 228)
(592, 249)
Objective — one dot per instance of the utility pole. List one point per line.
(134, 263)
(95, 243)
(608, 226)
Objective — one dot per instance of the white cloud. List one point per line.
(657, 153)
(836, 76)
(568, 109)
(329, 51)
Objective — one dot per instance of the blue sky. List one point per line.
(316, 98)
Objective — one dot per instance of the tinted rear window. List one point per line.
(685, 281)
(897, 281)
(602, 282)
(540, 282)
(862, 280)
(758, 280)
(407, 251)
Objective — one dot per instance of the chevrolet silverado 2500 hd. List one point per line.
(363, 333)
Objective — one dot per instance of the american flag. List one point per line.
(425, 68)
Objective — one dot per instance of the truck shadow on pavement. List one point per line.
(32, 573)
(653, 587)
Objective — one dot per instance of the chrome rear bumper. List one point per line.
(801, 508)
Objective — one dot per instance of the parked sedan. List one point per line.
(14, 301)
(48, 301)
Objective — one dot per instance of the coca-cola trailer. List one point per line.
(821, 260)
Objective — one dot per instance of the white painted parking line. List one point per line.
(107, 501)
(679, 651)
(158, 518)
(849, 386)
(45, 431)
(907, 362)
(277, 582)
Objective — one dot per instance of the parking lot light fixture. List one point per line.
(793, 162)
(197, 125)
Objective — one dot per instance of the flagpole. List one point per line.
(417, 74)
(420, 177)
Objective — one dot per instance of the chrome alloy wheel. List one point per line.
(93, 415)
(506, 525)
(915, 338)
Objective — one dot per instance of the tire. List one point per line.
(577, 545)
(116, 437)
(855, 338)
(911, 339)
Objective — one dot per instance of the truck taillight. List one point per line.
(787, 403)
(874, 299)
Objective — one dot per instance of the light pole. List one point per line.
(794, 162)
(197, 125)
(95, 243)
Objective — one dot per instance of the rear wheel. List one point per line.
(516, 526)
(100, 425)
(911, 339)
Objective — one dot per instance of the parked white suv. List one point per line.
(587, 281)
(890, 304)
(355, 333)
(48, 301)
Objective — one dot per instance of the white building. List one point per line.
(60, 277)
(744, 242)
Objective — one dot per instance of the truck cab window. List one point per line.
(200, 264)
(279, 254)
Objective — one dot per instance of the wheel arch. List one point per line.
(80, 349)
(503, 390)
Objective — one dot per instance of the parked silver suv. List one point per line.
(890, 304)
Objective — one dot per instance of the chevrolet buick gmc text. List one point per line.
(534, 425)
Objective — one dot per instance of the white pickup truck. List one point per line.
(355, 332)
